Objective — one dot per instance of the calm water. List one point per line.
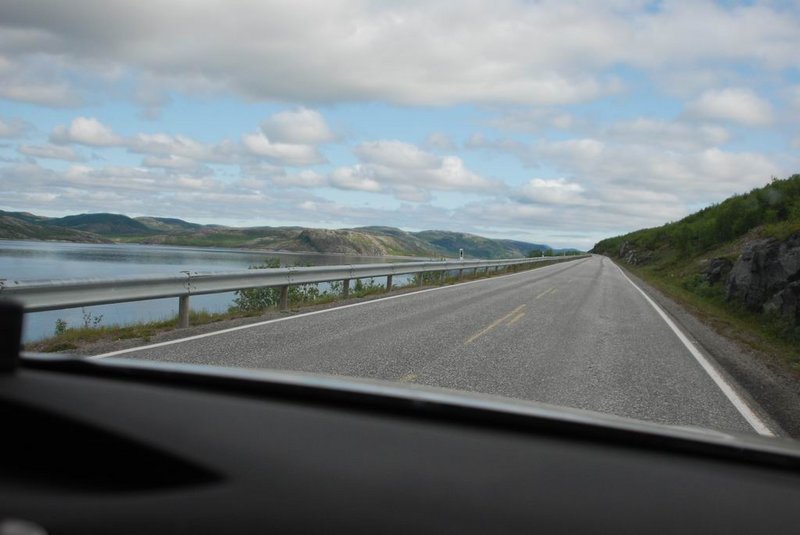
(24, 260)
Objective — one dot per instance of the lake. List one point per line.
(31, 260)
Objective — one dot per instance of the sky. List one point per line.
(553, 122)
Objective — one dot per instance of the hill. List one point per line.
(737, 261)
(26, 226)
(103, 224)
(477, 246)
(775, 207)
(167, 224)
(369, 241)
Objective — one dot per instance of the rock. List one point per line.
(786, 303)
(631, 255)
(764, 276)
(717, 269)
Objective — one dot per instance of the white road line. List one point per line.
(737, 401)
(305, 314)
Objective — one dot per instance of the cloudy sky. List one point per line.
(548, 121)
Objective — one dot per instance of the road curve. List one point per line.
(577, 334)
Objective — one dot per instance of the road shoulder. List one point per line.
(758, 375)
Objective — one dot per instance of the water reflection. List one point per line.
(22, 260)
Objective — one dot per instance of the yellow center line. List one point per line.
(515, 319)
(411, 377)
(545, 292)
(493, 325)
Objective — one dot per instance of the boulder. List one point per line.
(786, 303)
(632, 256)
(764, 276)
(717, 269)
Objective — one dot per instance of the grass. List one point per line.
(75, 337)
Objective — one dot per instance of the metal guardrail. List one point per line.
(42, 295)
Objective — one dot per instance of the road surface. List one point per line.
(577, 334)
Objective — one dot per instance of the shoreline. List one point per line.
(222, 249)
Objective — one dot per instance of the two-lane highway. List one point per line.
(577, 334)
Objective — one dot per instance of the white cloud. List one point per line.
(282, 153)
(581, 150)
(532, 120)
(290, 138)
(14, 128)
(170, 162)
(183, 147)
(408, 172)
(506, 51)
(551, 191)
(478, 141)
(699, 176)
(300, 126)
(183, 152)
(56, 95)
(396, 154)
(670, 135)
(739, 105)
(50, 151)
(151, 97)
(356, 177)
(86, 131)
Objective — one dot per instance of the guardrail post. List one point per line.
(346, 288)
(420, 276)
(283, 300)
(388, 283)
(460, 274)
(183, 311)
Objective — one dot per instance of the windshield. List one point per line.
(591, 205)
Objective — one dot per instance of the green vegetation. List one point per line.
(675, 258)
(71, 338)
(103, 224)
(25, 226)
(261, 299)
(775, 208)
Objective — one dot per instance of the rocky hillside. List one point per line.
(370, 241)
(766, 277)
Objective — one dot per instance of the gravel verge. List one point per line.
(760, 377)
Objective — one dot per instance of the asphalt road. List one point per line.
(577, 334)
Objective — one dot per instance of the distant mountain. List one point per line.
(167, 224)
(449, 243)
(25, 226)
(103, 224)
(369, 241)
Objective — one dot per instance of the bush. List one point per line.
(61, 327)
